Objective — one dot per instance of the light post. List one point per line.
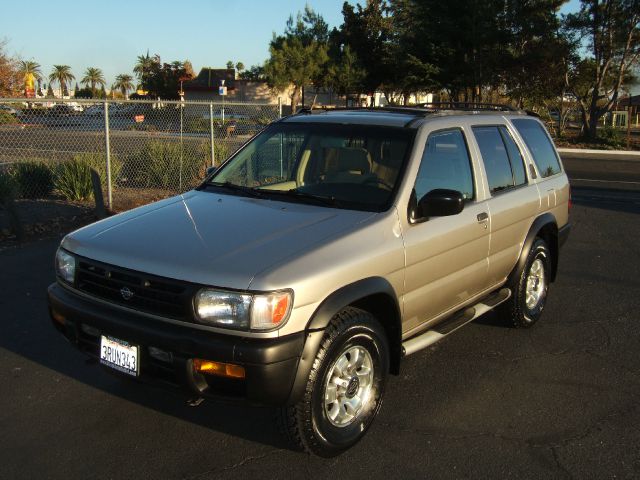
(222, 91)
(181, 93)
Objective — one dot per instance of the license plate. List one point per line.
(119, 355)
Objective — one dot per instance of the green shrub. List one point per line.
(7, 118)
(610, 136)
(168, 165)
(8, 187)
(73, 180)
(34, 179)
(98, 161)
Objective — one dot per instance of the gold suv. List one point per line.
(330, 246)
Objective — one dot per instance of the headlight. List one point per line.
(242, 311)
(65, 266)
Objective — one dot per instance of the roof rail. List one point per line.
(420, 109)
(468, 106)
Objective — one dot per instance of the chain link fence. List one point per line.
(142, 150)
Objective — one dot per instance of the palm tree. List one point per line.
(93, 76)
(124, 82)
(26, 67)
(61, 74)
(30, 73)
(143, 67)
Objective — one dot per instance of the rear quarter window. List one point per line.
(541, 148)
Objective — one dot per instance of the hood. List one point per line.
(210, 238)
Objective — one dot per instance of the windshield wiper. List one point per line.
(236, 188)
(331, 201)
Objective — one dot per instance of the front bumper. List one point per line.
(270, 364)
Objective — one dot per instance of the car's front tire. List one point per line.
(345, 387)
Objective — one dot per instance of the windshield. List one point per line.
(344, 166)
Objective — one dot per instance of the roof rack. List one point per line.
(421, 108)
(468, 106)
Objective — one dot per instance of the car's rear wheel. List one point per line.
(345, 387)
(529, 288)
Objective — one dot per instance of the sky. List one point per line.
(110, 35)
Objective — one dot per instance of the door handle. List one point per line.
(483, 217)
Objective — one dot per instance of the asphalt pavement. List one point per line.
(559, 400)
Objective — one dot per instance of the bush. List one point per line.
(610, 136)
(98, 161)
(34, 179)
(7, 118)
(8, 187)
(161, 164)
(73, 180)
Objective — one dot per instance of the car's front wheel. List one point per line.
(345, 387)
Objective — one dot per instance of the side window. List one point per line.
(445, 164)
(539, 145)
(517, 162)
(495, 158)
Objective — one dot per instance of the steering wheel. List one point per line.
(378, 181)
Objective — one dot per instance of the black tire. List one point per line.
(516, 311)
(307, 424)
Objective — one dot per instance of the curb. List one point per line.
(628, 153)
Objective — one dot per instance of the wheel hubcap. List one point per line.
(348, 386)
(535, 284)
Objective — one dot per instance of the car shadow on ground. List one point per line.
(26, 331)
(253, 423)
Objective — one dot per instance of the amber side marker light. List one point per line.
(58, 317)
(218, 368)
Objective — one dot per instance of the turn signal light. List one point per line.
(218, 368)
(58, 317)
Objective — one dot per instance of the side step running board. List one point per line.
(453, 323)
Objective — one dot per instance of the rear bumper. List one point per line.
(270, 364)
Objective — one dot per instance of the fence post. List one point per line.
(213, 148)
(629, 125)
(108, 148)
(279, 107)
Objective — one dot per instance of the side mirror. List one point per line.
(438, 203)
(210, 171)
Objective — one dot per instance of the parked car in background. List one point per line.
(8, 109)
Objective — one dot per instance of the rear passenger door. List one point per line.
(553, 183)
(446, 257)
(513, 202)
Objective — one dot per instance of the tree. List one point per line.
(239, 67)
(9, 74)
(368, 31)
(93, 77)
(124, 83)
(188, 69)
(610, 31)
(347, 74)
(229, 64)
(144, 65)
(30, 73)
(254, 74)
(61, 74)
(299, 57)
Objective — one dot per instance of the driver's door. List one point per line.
(446, 257)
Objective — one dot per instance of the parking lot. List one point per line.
(557, 401)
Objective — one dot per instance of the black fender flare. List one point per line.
(347, 295)
(538, 224)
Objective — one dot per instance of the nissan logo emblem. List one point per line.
(126, 293)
